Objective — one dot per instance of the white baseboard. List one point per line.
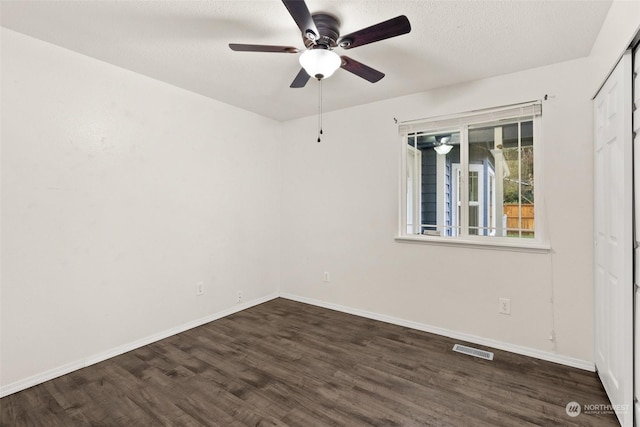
(8, 389)
(525, 351)
(14, 387)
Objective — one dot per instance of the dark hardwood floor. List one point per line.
(287, 363)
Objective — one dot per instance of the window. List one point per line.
(472, 178)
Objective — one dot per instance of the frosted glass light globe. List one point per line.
(320, 63)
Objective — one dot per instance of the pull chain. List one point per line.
(319, 109)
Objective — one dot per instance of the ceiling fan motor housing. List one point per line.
(328, 27)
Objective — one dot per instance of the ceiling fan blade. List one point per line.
(301, 79)
(361, 70)
(300, 13)
(384, 30)
(262, 48)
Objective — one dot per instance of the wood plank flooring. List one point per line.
(284, 363)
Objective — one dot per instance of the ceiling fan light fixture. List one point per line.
(443, 148)
(320, 63)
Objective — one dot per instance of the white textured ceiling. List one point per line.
(185, 43)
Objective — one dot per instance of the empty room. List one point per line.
(319, 213)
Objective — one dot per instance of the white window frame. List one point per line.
(414, 173)
(530, 111)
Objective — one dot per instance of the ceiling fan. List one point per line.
(321, 34)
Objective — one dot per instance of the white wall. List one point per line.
(119, 193)
(340, 214)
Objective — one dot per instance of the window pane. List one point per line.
(527, 179)
(502, 155)
(432, 181)
(481, 194)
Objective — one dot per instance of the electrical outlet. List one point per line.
(199, 288)
(239, 298)
(325, 277)
(505, 306)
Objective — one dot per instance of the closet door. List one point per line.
(613, 251)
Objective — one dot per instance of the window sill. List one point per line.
(518, 246)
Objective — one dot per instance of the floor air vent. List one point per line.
(473, 352)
